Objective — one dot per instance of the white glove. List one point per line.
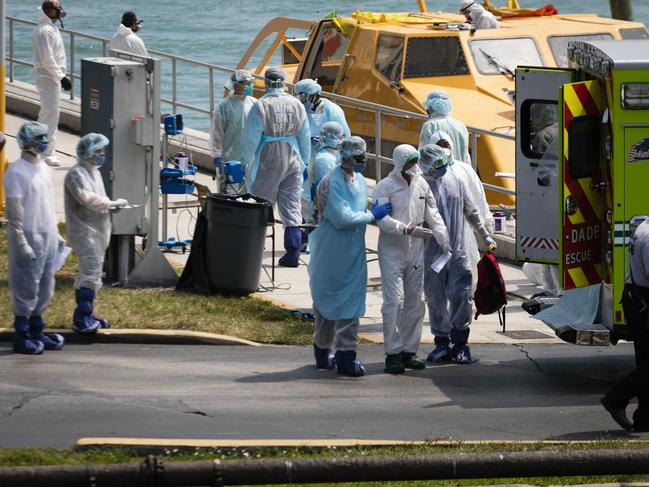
(421, 232)
(61, 244)
(121, 202)
(491, 243)
(26, 252)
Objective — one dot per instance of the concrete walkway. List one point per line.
(290, 288)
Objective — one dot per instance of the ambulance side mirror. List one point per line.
(584, 146)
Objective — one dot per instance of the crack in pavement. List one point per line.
(191, 410)
(24, 400)
(521, 348)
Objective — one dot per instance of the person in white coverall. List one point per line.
(126, 39)
(438, 106)
(476, 191)
(477, 15)
(88, 225)
(401, 257)
(228, 122)
(50, 64)
(448, 289)
(276, 151)
(33, 241)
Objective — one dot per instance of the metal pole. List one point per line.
(377, 144)
(72, 61)
(621, 9)
(173, 86)
(3, 160)
(11, 49)
(165, 196)
(474, 150)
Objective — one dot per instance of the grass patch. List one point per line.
(163, 308)
(32, 456)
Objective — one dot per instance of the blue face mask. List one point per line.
(358, 167)
(439, 172)
(41, 147)
(101, 160)
(308, 106)
(247, 91)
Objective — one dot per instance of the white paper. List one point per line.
(440, 262)
(61, 257)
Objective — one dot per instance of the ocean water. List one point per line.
(219, 32)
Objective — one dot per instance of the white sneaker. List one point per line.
(52, 161)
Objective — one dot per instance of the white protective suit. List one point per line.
(276, 150)
(401, 256)
(454, 128)
(482, 18)
(127, 40)
(226, 129)
(32, 221)
(50, 64)
(87, 221)
(476, 191)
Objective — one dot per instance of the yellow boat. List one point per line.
(396, 59)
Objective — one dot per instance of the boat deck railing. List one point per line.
(173, 63)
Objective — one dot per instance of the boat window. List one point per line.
(559, 45)
(503, 56)
(539, 131)
(634, 33)
(434, 56)
(331, 47)
(389, 56)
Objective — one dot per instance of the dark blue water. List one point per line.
(218, 32)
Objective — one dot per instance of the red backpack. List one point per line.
(490, 294)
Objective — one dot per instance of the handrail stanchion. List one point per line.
(474, 150)
(211, 91)
(11, 50)
(174, 106)
(377, 144)
(72, 59)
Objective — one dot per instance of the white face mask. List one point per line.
(412, 171)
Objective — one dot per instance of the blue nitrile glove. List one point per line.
(305, 174)
(380, 211)
(218, 165)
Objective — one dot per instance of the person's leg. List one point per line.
(346, 344)
(289, 206)
(435, 288)
(412, 317)
(91, 263)
(50, 99)
(51, 341)
(461, 308)
(323, 338)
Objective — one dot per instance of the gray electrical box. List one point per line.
(114, 103)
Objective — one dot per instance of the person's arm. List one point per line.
(338, 211)
(435, 222)
(304, 138)
(84, 195)
(338, 115)
(139, 47)
(471, 213)
(45, 46)
(387, 224)
(216, 132)
(253, 130)
(479, 198)
(424, 135)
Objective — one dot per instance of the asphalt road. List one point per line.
(514, 392)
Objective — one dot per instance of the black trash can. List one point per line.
(234, 247)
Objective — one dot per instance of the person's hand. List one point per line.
(421, 232)
(26, 253)
(446, 248)
(490, 243)
(61, 244)
(66, 84)
(121, 202)
(381, 211)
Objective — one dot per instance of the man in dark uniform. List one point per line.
(635, 301)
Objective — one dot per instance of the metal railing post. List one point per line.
(377, 144)
(211, 90)
(11, 50)
(173, 86)
(474, 150)
(104, 48)
(72, 61)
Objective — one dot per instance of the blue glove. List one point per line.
(380, 211)
(218, 164)
(305, 174)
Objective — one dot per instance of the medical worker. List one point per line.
(126, 39)
(326, 157)
(401, 257)
(50, 64)
(88, 225)
(476, 190)
(338, 269)
(477, 15)
(276, 150)
(226, 129)
(33, 241)
(319, 110)
(438, 106)
(448, 291)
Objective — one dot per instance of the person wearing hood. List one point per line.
(88, 225)
(438, 106)
(324, 160)
(50, 64)
(33, 241)
(226, 129)
(448, 289)
(477, 15)
(338, 266)
(477, 193)
(126, 39)
(276, 151)
(414, 219)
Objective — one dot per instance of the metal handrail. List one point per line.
(352, 103)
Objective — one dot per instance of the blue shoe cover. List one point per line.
(102, 322)
(462, 355)
(86, 325)
(290, 259)
(51, 341)
(348, 365)
(27, 346)
(441, 353)
(324, 359)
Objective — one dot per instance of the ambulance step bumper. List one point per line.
(592, 335)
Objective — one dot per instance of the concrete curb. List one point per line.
(144, 337)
